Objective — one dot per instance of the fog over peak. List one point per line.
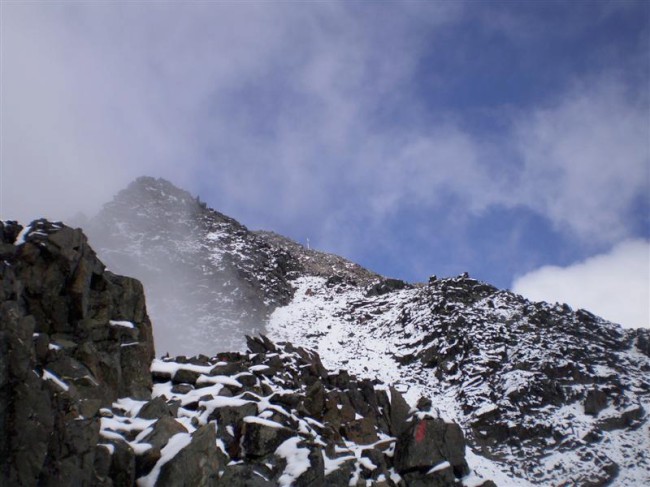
(411, 137)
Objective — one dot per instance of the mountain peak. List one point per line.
(147, 190)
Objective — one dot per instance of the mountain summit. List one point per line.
(209, 279)
(545, 394)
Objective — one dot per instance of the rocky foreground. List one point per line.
(82, 402)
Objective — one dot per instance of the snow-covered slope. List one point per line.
(545, 395)
(554, 396)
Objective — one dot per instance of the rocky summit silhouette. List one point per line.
(363, 380)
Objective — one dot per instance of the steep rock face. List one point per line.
(73, 337)
(555, 395)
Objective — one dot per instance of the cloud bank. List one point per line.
(348, 123)
(614, 285)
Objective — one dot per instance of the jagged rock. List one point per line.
(595, 402)
(643, 341)
(362, 431)
(399, 413)
(155, 409)
(386, 286)
(428, 443)
(261, 439)
(341, 476)
(315, 400)
(9, 231)
(102, 464)
(63, 321)
(515, 369)
(163, 430)
(244, 475)
(269, 435)
(122, 471)
(146, 461)
(196, 465)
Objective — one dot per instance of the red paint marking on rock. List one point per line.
(420, 431)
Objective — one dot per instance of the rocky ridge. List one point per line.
(550, 395)
(275, 416)
(204, 272)
(83, 403)
(553, 395)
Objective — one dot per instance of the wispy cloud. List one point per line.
(586, 159)
(312, 119)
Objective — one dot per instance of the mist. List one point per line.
(391, 133)
(208, 280)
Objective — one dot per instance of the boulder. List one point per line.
(429, 442)
(196, 465)
(595, 402)
(155, 409)
(399, 413)
(262, 438)
(163, 430)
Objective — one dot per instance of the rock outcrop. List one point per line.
(275, 416)
(551, 394)
(73, 338)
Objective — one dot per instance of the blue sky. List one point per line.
(416, 138)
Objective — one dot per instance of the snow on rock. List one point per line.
(205, 273)
(525, 380)
(125, 324)
(297, 460)
(280, 415)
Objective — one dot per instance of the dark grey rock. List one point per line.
(429, 442)
(163, 430)
(155, 409)
(196, 465)
(54, 286)
(595, 402)
(260, 440)
(245, 474)
(386, 286)
(399, 413)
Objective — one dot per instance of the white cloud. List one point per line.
(273, 109)
(267, 101)
(586, 159)
(615, 285)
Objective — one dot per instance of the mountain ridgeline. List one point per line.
(209, 279)
(363, 380)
